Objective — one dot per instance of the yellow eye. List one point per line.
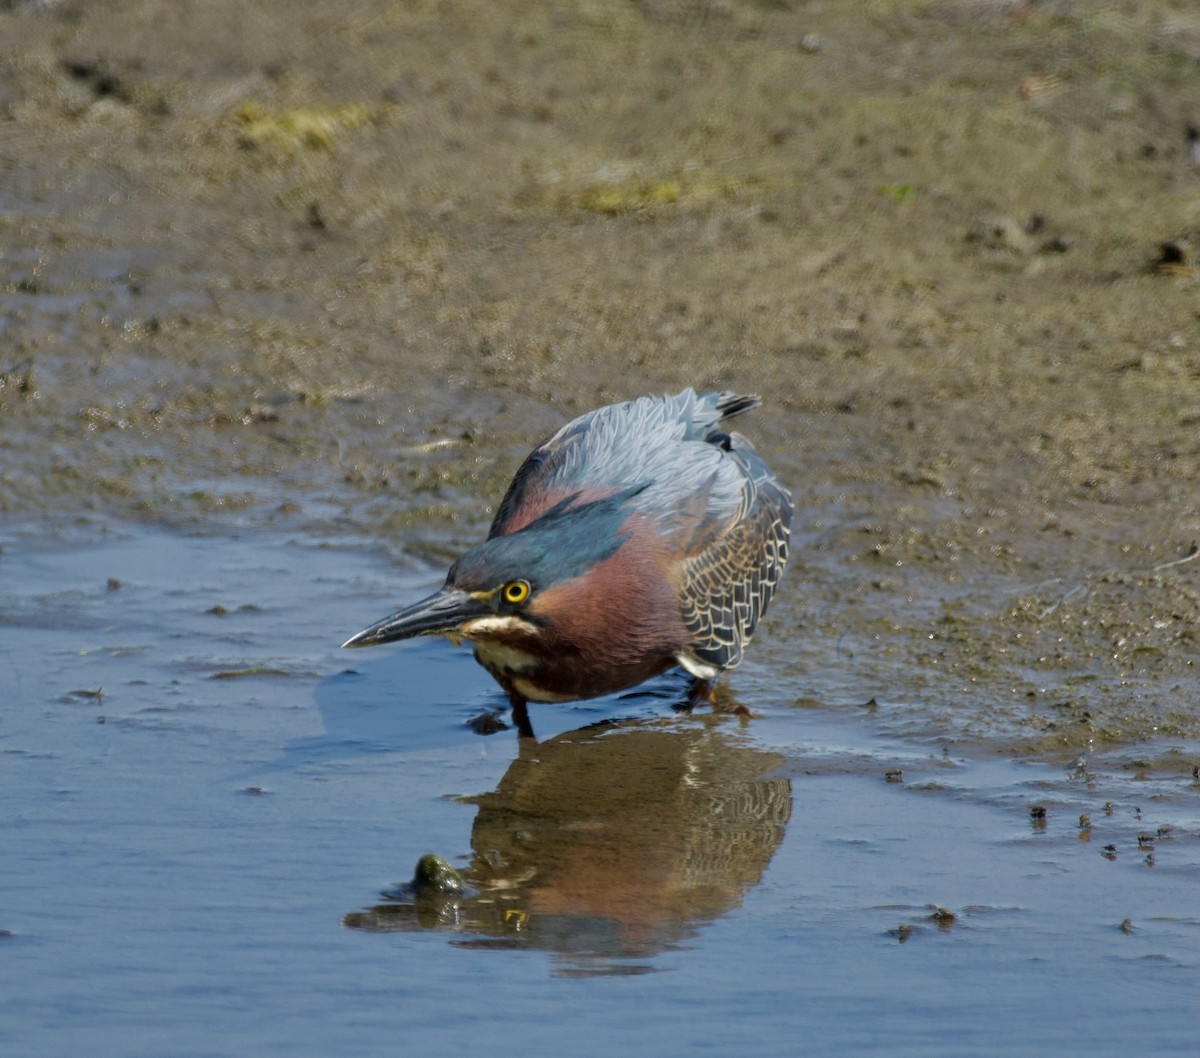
(516, 591)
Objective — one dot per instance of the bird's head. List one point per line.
(503, 589)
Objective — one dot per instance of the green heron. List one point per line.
(639, 537)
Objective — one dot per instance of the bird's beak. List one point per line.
(441, 614)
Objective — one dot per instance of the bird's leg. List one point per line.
(520, 715)
(704, 692)
(699, 692)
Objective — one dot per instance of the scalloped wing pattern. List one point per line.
(728, 586)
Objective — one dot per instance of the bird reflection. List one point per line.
(608, 844)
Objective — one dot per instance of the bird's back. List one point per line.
(669, 443)
(706, 492)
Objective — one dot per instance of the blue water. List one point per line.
(180, 851)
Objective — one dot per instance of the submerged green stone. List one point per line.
(435, 875)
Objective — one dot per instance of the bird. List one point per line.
(639, 537)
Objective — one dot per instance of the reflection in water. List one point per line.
(611, 842)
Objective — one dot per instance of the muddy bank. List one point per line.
(342, 269)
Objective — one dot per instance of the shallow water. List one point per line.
(203, 801)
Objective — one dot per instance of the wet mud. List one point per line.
(343, 269)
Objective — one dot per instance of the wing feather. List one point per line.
(728, 582)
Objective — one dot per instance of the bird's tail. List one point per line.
(731, 404)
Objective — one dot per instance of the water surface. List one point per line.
(204, 802)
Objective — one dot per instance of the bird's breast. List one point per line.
(518, 670)
(503, 658)
(534, 692)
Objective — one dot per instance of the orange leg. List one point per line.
(704, 692)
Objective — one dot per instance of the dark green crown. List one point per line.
(564, 542)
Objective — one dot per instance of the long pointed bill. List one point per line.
(440, 614)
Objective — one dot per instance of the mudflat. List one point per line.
(291, 265)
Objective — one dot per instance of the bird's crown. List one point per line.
(566, 541)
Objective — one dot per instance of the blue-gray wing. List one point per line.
(671, 444)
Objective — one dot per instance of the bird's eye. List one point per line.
(516, 591)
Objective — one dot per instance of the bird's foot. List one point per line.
(718, 699)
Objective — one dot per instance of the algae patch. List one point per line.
(290, 131)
